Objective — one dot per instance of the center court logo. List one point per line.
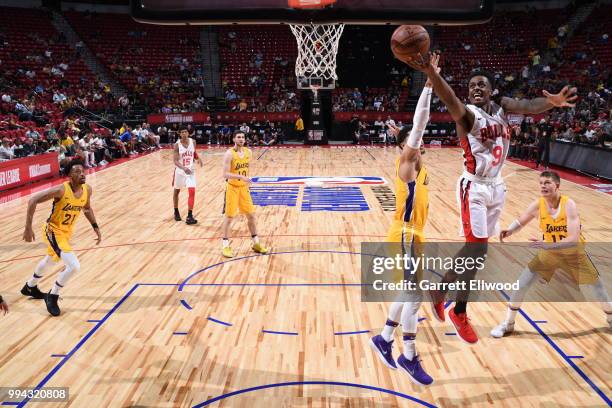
(9, 177)
(38, 170)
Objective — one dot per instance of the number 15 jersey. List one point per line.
(486, 145)
(240, 165)
(66, 210)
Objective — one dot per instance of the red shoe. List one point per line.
(437, 305)
(438, 311)
(463, 327)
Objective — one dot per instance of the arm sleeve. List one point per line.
(421, 117)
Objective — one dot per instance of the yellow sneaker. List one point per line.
(260, 249)
(227, 252)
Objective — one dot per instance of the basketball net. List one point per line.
(317, 50)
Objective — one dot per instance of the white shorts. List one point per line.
(480, 205)
(182, 180)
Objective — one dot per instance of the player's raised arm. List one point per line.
(460, 114)
(52, 193)
(419, 123)
(562, 99)
(89, 214)
(521, 221)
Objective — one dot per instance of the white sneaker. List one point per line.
(503, 329)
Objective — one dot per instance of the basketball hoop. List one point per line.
(317, 50)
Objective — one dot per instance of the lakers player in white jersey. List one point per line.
(69, 200)
(484, 133)
(562, 248)
(411, 209)
(185, 155)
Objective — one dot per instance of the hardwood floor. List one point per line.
(292, 322)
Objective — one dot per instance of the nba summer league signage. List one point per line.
(314, 181)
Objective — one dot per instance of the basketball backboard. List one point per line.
(312, 11)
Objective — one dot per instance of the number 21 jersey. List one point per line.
(66, 210)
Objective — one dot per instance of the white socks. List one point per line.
(409, 346)
(39, 272)
(72, 266)
(392, 319)
(526, 279)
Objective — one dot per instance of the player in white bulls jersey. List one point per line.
(484, 135)
(184, 173)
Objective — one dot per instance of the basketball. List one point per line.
(408, 41)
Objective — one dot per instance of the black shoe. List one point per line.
(51, 302)
(190, 220)
(32, 292)
(177, 216)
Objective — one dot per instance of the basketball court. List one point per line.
(156, 317)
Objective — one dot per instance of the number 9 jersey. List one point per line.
(481, 190)
(487, 143)
(64, 213)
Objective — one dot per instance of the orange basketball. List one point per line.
(409, 40)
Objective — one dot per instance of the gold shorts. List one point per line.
(405, 240)
(237, 199)
(574, 262)
(57, 242)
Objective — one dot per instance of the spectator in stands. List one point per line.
(127, 139)
(151, 137)
(543, 155)
(68, 143)
(7, 150)
(224, 134)
(59, 97)
(514, 142)
(29, 147)
(88, 150)
(245, 128)
(23, 111)
(32, 133)
(242, 106)
(590, 136)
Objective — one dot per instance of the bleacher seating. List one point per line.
(238, 64)
(148, 50)
(26, 34)
(503, 44)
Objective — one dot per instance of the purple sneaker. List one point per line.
(414, 369)
(384, 350)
